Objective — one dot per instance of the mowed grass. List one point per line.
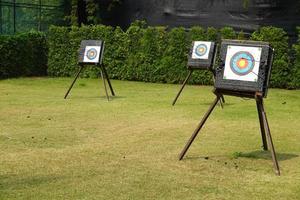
(87, 148)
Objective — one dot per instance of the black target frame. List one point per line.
(199, 64)
(259, 97)
(245, 87)
(99, 63)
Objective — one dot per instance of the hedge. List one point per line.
(296, 69)
(23, 55)
(150, 54)
(281, 69)
(153, 54)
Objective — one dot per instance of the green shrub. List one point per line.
(172, 68)
(23, 55)
(60, 53)
(152, 47)
(65, 42)
(241, 35)
(295, 83)
(281, 66)
(212, 34)
(134, 34)
(115, 61)
(227, 33)
(153, 54)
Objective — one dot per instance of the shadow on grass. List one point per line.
(260, 154)
(224, 104)
(202, 104)
(16, 183)
(102, 97)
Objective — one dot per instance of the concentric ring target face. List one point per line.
(91, 54)
(201, 50)
(242, 63)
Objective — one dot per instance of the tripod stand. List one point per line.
(104, 76)
(191, 69)
(222, 100)
(264, 126)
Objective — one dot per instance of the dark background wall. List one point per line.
(246, 15)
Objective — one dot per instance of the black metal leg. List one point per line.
(261, 123)
(269, 138)
(104, 83)
(108, 81)
(222, 99)
(76, 77)
(188, 144)
(183, 85)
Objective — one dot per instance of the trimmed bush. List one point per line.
(172, 68)
(60, 53)
(64, 44)
(295, 83)
(153, 54)
(278, 39)
(228, 33)
(23, 55)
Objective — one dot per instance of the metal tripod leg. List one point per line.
(104, 83)
(188, 144)
(222, 99)
(269, 138)
(108, 81)
(76, 77)
(261, 122)
(183, 85)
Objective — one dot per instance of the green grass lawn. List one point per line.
(87, 148)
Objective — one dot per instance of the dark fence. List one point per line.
(23, 15)
(246, 15)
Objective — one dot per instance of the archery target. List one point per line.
(91, 54)
(242, 63)
(201, 50)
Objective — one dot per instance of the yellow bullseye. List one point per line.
(242, 63)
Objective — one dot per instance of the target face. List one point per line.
(242, 63)
(91, 54)
(201, 50)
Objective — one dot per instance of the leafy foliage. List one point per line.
(296, 69)
(281, 66)
(228, 33)
(153, 54)
(23, 55)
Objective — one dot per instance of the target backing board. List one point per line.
(91, 52)
(201, 55)
(245, 66)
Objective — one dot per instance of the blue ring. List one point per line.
(88, 54)
(234, 63)
(201, 46)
